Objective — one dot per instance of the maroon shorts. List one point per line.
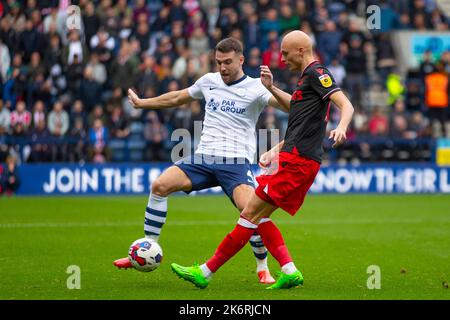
(287, 187)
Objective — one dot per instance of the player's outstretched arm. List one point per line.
(166, 100)
(279, 99)
(339, 134)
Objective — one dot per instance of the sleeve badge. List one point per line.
(325, 80)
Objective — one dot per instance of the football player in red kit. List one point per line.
(297, 159)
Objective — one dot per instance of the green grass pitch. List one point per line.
(333, 240)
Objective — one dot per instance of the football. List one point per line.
(145, 254)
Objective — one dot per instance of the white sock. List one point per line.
(206, 272)
(289, 268)
(261, 264)
(155, 216)
(152, 237)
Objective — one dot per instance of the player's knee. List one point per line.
(250, 216)
(159, 188)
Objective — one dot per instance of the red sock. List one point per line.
(274, 242)
(233, 242)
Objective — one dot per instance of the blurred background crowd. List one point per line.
(63, 92)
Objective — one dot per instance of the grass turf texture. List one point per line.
(333, 240)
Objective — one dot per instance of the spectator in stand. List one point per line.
(273, 53)
(21, 116)
(400, 109)
(98, 139)
(58, 120)
(228, 20)
(268, 24)
(38, 113)
(420, 125)
(414, 97)
(328, 42)
(385, 56)
(99, 73)
(253, 63)
(78, 113)
(53, 53)
(90, 92)
(320, 18)
(5, 119)
(162, 21)
(74, 76)
(97, 113)
(177, 12)
(194, 22)
(142, 33)
(437, 96)
(198, 42)
(438, 20)
(16, 17)
(10, 179)
(122, 69)
(8, 34)
(360, 121)
(30, 40)
(74, 48)
(5, 125)
(55, 20)
(126, 28)
(101, 9)
(356, 66)
(338, 71)
(378, 123)
(165, 48)
(445, 59)
(19, 141)
(5, 61)
(418, 8)
(399, 128)
(141, 9)
(123, 9)
(58, 125)
(77, 141)
(40, 142)
(288, 20)
(119, 123)
(103, 44)
(252, 33)
(112, 22)
(155, 133)
(427, 64)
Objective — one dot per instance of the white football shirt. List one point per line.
(231, 114)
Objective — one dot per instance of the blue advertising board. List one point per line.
(133, 178)
(436, 43)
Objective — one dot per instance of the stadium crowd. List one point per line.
(63, 92)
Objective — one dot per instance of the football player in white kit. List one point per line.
(234, 102)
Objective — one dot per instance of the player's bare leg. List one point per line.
(170, 181)
(241, 195)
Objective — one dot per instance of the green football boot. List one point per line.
(192, 274)
(287, 281)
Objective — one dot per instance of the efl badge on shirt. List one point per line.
(325, 80)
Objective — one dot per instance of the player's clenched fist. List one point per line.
(133, 98)
(266, 76)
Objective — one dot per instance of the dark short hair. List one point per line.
(230, 44)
